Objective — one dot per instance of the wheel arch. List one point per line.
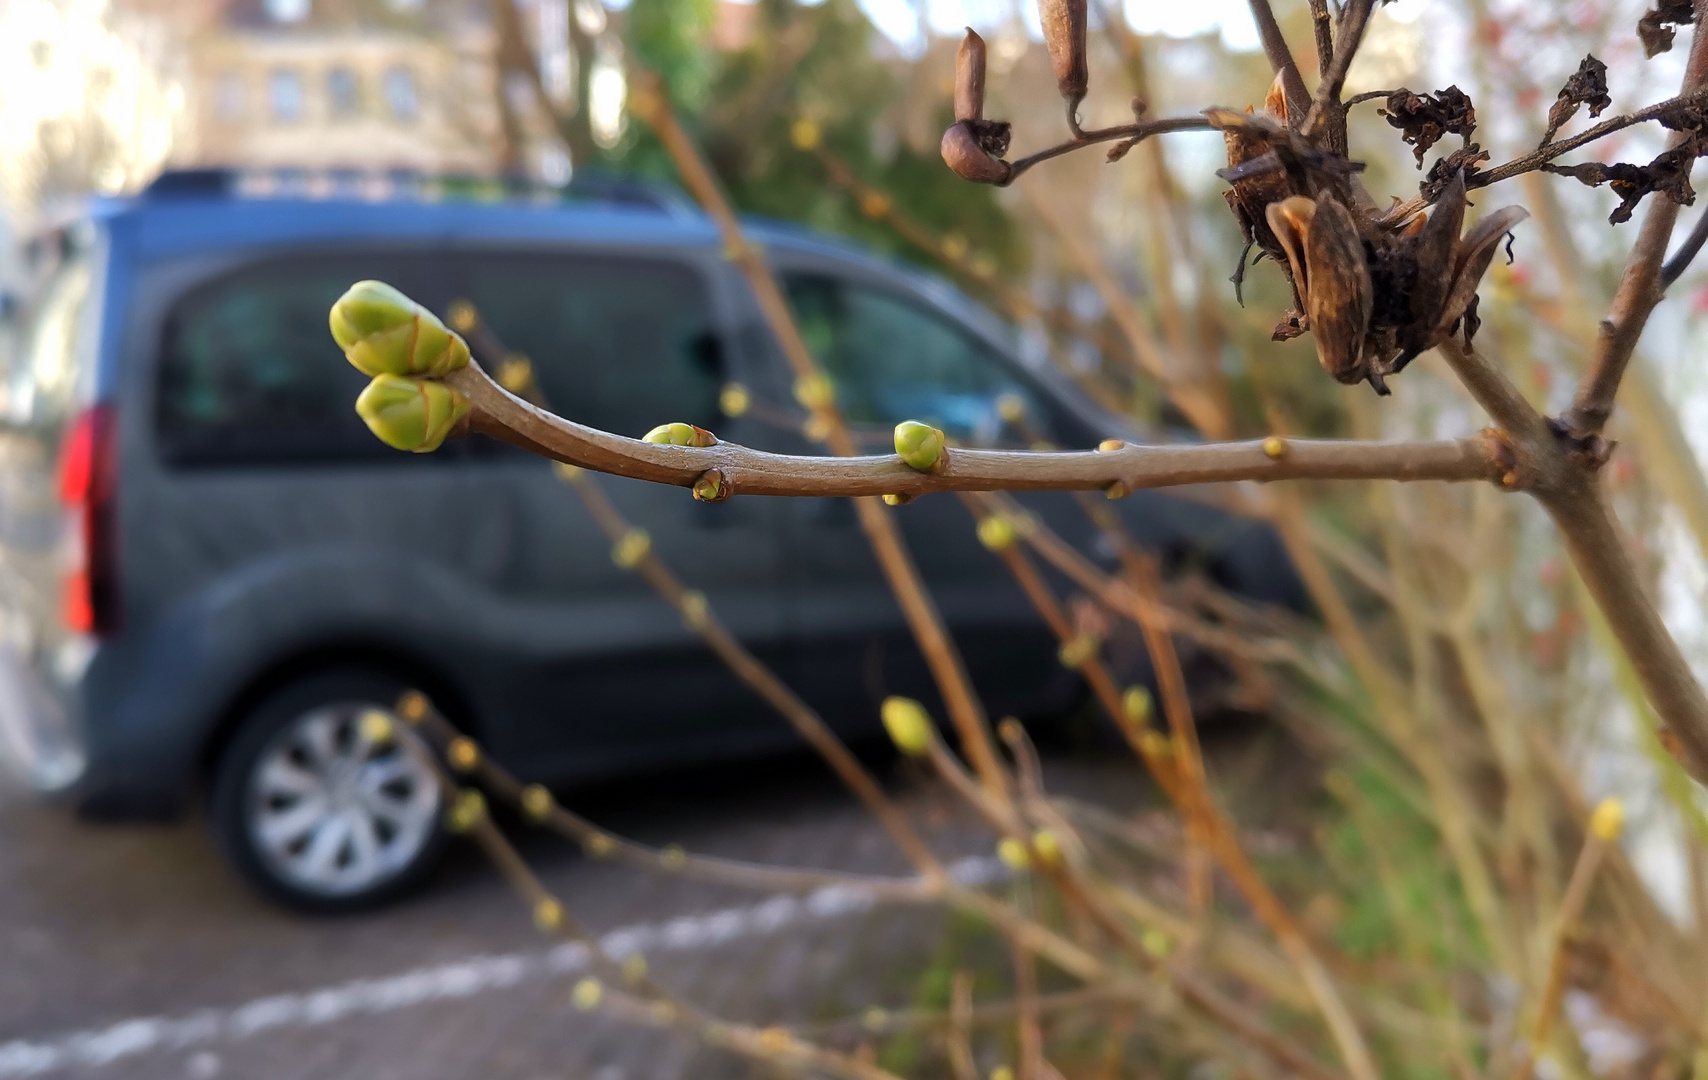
(407, 664)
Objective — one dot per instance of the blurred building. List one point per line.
(336, 84)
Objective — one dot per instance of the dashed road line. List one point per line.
(99, 1047)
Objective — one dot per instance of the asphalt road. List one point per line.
(130, 951)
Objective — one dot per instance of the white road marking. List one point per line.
(98, 1047)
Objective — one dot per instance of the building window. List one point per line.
(228, 97)
(284, 95)
(286, 11)
(342, 93)
(400, 95)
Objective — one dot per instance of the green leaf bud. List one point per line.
(920, 445)
(680, 435)
(695, 611)
(384, 332)
(631, 548)
(996, 532)
(814, 391)
(536, 802)
(712, 486)
(465, 811)
(410, 414)
(1136, 705)
(1049, 848)
(908, 723)
(1013, 853)
(548, 914)
(1076, 650)
(587, 994)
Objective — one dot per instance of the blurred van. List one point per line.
(209, 568)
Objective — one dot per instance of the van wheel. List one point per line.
(313, 813)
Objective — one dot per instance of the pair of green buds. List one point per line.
(406, 350)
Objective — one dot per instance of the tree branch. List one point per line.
(1640, 287)
(1281, 58)
(497, 412)
(1346, 42)
(1675, 267)
(1133, 133)
(1544, 464)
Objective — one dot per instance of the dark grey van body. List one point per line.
(254, 534)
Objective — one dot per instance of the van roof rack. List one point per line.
(384, 185)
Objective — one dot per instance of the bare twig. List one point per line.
(960, 1027)
(1326, 107)
(1604, 826)
(1675, 267)
(650, 105)
(1281, 58)
(1131, 134)
(1693, 97)
(698, 616)
(1640, 287)
(501, 414)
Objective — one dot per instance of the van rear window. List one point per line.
(249, 373)
(620, 343)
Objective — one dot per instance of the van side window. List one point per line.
(249, 372)
(618, 343)
(892, 359)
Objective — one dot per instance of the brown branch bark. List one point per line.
(1281, 58)
(497, 412)
(944, 660)
(1640, 287)
(1535, 159)
(1132, 134)
(1570, 491)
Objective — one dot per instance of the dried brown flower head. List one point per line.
(1587, 86)
(1668, 174)
(974, 149)
(1375, 297)
(1424, 118)
(1655, 28)
(1064, 23)
(969, 77)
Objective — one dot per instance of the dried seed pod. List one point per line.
(1433, 249)
(969, 77)
(963, 152)
(1332, 278)
(1471, 261)
(1289, 220)
(1064, 35)
(1275, 102)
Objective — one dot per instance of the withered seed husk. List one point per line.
(1275, 102)
(969, 77)
(1064, 24)
(1471, 262)
(962, 153)
(1434, 251)
(1340, 296)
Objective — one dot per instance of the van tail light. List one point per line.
(88, 490)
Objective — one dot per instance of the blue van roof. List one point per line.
(204, 210)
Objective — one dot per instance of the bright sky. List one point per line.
(899, 19)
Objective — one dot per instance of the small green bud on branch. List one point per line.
(466, 811)
(996, 532)
(920, 445)
(628, 551)
(712, 486)
(908, 724)
(410, 414)
(384, 332)
(680, 435)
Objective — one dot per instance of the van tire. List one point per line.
(312, 815)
